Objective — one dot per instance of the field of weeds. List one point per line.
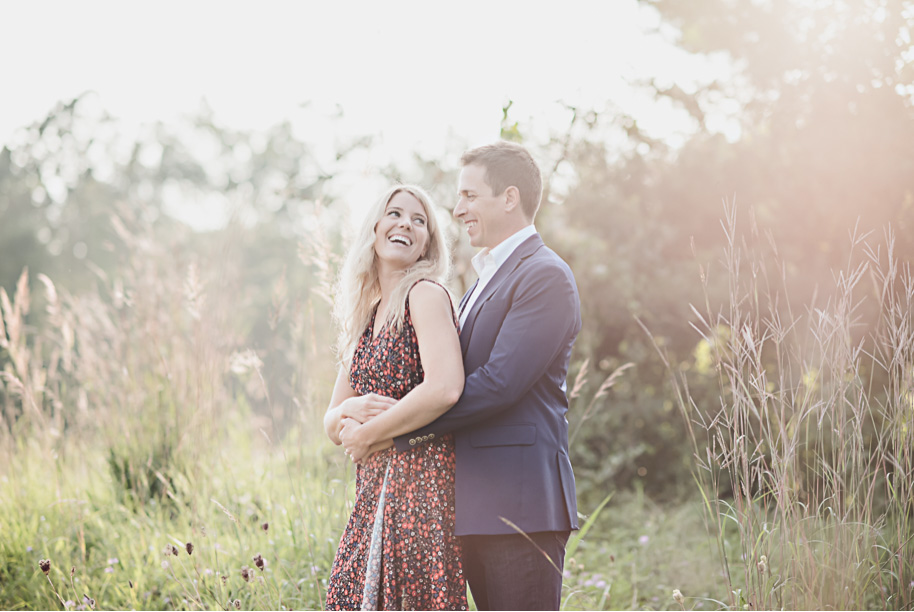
(145, 465)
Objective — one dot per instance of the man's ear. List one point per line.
(512, 198)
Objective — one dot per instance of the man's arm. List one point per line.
(540, 321)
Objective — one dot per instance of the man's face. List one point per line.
(482, 212)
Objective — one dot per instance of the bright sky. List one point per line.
(414, 74)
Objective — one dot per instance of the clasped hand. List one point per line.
(356, 412)
(364, 407)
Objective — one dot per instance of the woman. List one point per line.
(403, 369)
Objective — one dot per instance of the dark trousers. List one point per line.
(509, 572)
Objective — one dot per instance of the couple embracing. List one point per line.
(456, 417)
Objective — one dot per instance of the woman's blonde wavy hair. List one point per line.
(358, 288)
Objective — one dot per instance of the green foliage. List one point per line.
(138, 479)
(144, 363)
(509, 131)
(118, 553)
(637, 553)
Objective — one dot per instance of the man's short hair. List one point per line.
(509, 164)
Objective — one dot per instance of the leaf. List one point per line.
(575, 540)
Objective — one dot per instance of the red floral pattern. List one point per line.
(420, 567)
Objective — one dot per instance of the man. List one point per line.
(517, 327)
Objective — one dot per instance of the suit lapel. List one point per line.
(464, 338)
(466, 297)
(522, 252)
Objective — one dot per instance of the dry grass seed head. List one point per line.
(45, 565)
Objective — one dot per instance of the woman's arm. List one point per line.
(333, 419)
(439, 350)
(346, 403)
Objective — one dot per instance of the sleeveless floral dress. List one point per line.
(398, 551)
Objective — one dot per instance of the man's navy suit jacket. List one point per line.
(510, 424)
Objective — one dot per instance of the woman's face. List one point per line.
(401, 236)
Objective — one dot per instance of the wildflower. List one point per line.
(109, 570)
(72, 571)
(190, 548)
(258, 561)
(113, 561)
(165, 564)
(69, 604)
(677, 596)
(89, 601)
(763, 564)
(170, 549)
(237, 604)
(265, 526)
(246, 573)
(224, 579)
(243, 362)
(643, 540)
(28, 549)
(601, 584)
(45, 565)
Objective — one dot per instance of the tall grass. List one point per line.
(134, 419)
(145, 455)
(808, 458)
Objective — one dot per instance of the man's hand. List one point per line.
(365, 407)
(356, 446)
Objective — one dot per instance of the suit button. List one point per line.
(431, 436)
(412, 442)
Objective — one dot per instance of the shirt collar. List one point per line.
(489, 260)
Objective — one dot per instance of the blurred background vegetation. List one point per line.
(135, 337)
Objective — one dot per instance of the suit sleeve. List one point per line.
(540, 321)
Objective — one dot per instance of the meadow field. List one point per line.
(741, 232)
(145, 464)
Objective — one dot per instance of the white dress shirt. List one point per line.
(487, 262)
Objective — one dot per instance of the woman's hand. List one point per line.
(354, 443)
(364, 407)
(355, 446)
